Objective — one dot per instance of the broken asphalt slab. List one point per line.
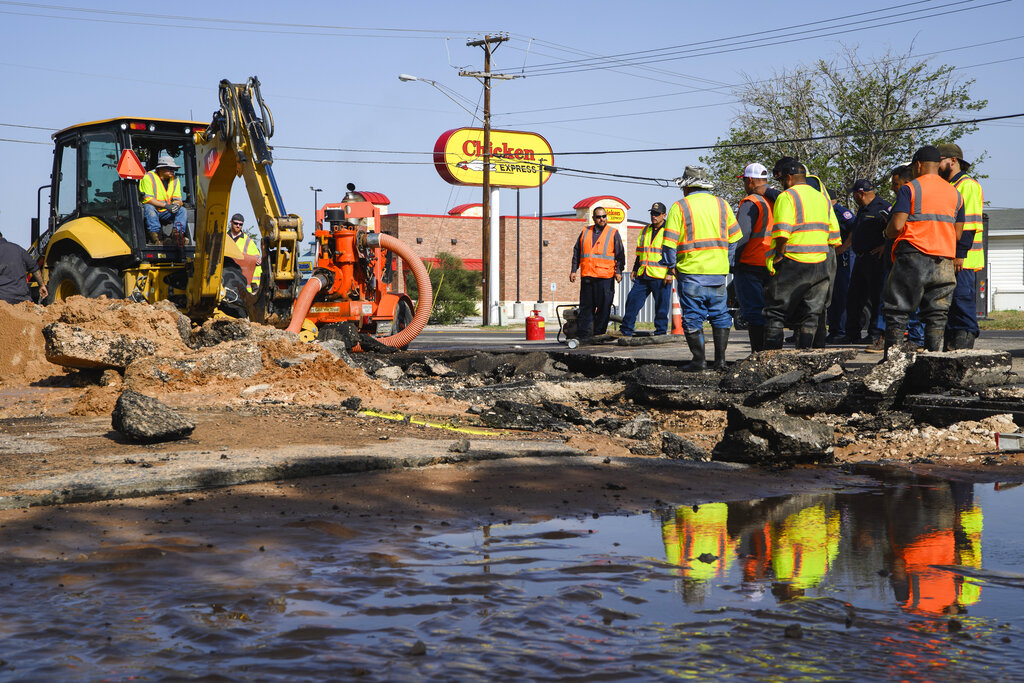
(147, 474)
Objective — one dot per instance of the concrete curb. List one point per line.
(146, 475)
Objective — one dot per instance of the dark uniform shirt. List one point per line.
(869, 226)
(15, 265)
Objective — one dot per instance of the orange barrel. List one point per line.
(535, 326)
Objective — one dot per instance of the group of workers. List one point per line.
(801, 261)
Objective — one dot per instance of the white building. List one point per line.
(1005, 259)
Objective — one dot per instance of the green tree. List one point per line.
(849, 98)
(456, 289)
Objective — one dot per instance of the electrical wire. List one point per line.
(812, 138)
(680, 52)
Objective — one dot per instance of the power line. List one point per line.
(724, 86)
(763, 34)
(239, 22)
(771, 42)
(812, 138)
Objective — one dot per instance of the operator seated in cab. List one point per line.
(166, 218)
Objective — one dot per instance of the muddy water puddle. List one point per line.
(911, 582)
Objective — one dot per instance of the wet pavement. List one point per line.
(913, 580)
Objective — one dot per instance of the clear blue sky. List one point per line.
(329, 73)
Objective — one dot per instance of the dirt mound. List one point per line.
(22, 350)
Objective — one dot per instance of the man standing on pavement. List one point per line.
(15, 266)
(161, 202)
(703, 230)
(927, 220)
(600, 258)
(962, 322)
(650, 275)
(805, 231)
(248, 246)
(837, 318)
(750, 272)
(868, 246)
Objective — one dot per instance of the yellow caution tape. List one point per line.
(399, 417)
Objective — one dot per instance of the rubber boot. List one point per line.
(721, 337)
(695, 340)
(820, 333)
(933, 340)
(756, 334)
(894, 335)
(959, 339)
(805, 339)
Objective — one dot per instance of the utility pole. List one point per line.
(489, 43)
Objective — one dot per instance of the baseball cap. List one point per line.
(952, 150)
(658, 208)
(928, 153)
(754, 170)
(789, 166)
(862, 185)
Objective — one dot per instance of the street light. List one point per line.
(316, 207)
(444, 90)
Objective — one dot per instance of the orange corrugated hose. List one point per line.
(423, 304)
(425, 300)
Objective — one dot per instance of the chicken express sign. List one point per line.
(515, 157)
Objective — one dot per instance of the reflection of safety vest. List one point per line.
(971, 521)
(648, 249)
(597, 260)
(804, 217)
(152, 187)
(804, 546)
(704, 226)
(691, 534)
(247, 245)
(761, 235)
(931, 226)
(974, 200)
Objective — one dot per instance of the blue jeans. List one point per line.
(642, 286)
(155, 220)
(750, 284)
(699, 303)
(963, 311)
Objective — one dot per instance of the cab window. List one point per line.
(103, 193)
(67, 183)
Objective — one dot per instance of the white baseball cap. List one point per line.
(754, 170)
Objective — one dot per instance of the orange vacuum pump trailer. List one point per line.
(355, 280)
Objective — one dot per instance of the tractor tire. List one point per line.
(233, 281)
(72, 275)
(401, 319)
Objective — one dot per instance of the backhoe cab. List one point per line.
(94, 239)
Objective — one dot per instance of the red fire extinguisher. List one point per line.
(535, 327)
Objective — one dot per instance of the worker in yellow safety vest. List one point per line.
(166, 218)
(800, 258)
(962, 319)
(248, 246)
(650, 275)
(703, 230)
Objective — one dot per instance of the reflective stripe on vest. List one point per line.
(930, 228)
(760, 239)
(809, 233)
(158, 190)
(244, 243)
(648, 249)
(597, 260)
(706, 232)
(974, 202)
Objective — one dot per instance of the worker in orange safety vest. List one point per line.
(600, 258)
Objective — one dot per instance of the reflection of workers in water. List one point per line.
(803, 548)
(919, 581)
(692, 537)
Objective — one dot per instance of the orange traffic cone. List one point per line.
(677, 313)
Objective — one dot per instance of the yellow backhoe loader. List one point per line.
(95, 238)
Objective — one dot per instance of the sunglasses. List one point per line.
(601, 216)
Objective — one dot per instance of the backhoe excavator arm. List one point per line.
(235, 144)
